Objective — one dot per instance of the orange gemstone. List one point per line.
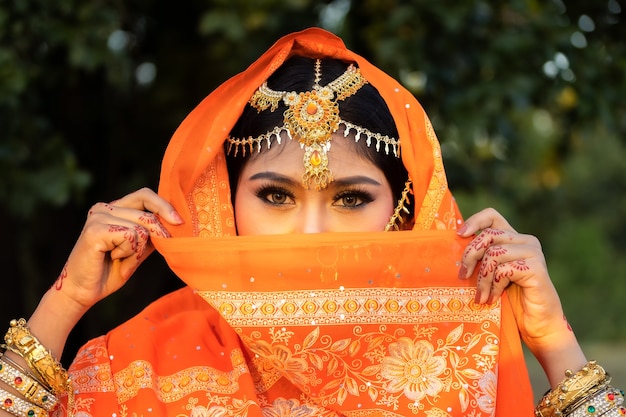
(311, 108)
(315, 159)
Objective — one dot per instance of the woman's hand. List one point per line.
(508, 260)
(113, 243)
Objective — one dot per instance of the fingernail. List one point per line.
(176, 217)
(462, 272)
(462, 230)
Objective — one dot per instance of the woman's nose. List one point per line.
(313, 220)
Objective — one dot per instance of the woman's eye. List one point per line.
(353, 199)
(350, 201)
(277, 198)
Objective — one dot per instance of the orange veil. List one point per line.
(351, 324)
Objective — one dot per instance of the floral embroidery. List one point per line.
(289, 408)
(217, 407)
(412, 368)
(487, 399)
(279, 358)
(391, 370)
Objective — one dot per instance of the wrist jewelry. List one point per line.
(574, 387)
(18, 407)
(616, 412)
(20, 340)
(603, 401)
(25, 385)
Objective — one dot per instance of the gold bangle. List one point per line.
(27, 386)
(20, 340)
(574, 387)
(18, 407)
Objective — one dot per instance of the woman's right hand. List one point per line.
(113, 243)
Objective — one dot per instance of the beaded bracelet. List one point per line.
(26, 386)
(616, 412)
(17, 366)
(605, 400)
(20, 340)
(573, 388)
(18, 407)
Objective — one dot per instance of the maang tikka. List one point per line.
(312, 117)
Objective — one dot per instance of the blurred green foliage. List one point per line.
(527, 98)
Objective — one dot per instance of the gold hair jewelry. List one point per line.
(23, 383)
(19, 339)
(18, 407)
(397, 219)
(572, 389)
(312, 117)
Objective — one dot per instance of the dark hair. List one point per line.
(365, 108)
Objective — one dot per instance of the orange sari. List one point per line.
(333, 324)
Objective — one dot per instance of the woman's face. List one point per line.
(271, 199)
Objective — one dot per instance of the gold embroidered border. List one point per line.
(205, 203)
(351, 306)
(437, 187)
(140, 375)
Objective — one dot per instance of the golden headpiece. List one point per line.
(312, 117)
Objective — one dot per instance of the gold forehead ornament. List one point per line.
(312, 117)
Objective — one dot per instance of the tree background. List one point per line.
(526, 96)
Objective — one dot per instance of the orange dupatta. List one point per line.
(354, 324)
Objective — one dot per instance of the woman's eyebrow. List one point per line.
(355, 180)
(273, 176)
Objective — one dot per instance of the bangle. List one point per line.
(616, 412)
(573, 388)
(27, 386)
(18, 407)
(19, 339)
(17, 366)
(602, 402)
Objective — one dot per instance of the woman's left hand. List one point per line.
(508, 259)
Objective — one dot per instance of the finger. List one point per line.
(476, 249)
(129, 241)
(115, 235)
(108, 214)
(500, 266)
(505, 274)
(487, 218)
(145, 199)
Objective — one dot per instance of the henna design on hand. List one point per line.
(156, 228)
(508, 270)
(130, 237)
(520, 265)
(58, 284)
(486, 238)
(487, 267)
(569, 327)
(144, 235)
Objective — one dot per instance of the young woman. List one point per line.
(275, 195)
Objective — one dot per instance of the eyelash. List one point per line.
(359, 193)
(266, 190)
(364, 196)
